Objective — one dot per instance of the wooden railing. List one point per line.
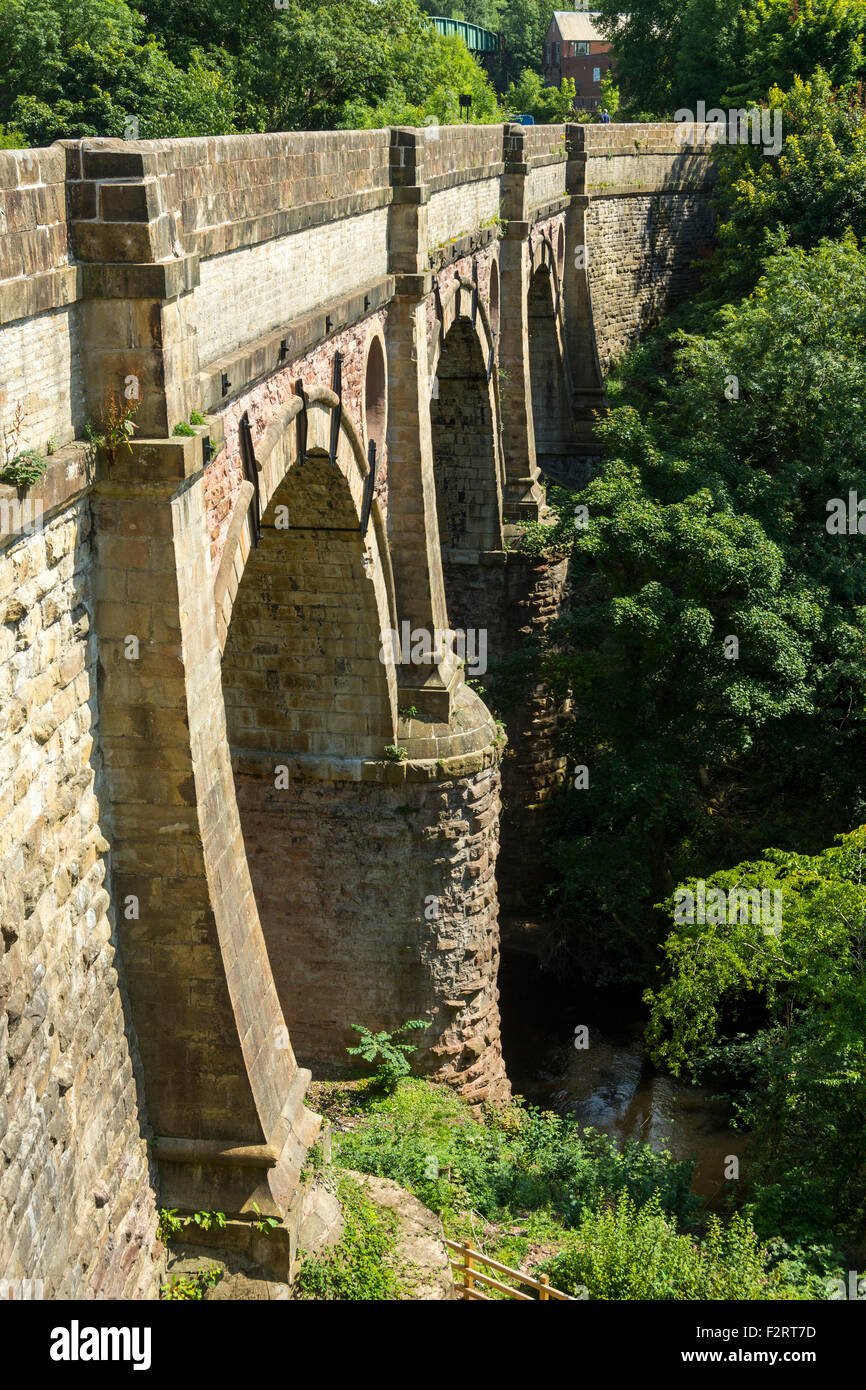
(467, 1271)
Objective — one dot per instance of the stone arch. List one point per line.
(338, 491)
(464, 420)
(548, 370)
(302, 674)
(375, 403)
(310, 694)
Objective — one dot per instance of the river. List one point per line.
(611, 1085)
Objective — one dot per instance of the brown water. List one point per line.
(611, 1085)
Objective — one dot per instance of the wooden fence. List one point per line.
(467, 1275)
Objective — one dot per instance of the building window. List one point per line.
(582, 48)
(547, 55)
(556, 52)
(596, 74)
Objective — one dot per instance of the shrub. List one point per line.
(392, 1057)
(521, 1159)
(362, 1265)
(631, 1252)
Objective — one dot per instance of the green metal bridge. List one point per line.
(477, 40)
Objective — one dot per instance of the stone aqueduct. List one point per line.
(197, 684)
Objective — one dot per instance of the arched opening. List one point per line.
(301, 669)
(307, 699)
(551, 406)
(494, 297)
(464, 446)
(375, 395)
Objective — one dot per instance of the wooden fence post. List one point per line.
(468, 1276)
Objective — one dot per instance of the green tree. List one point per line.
(524, 25)
(645, 45)
(780, 41)
(549, 105)
(81, 69)
(707, 521)
(780, 1016)
(708, 52)
(816, 189)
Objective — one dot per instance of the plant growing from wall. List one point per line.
(189, 1287)
(265, 1224)
(21, 467)
(170, 1225)
(117, 425)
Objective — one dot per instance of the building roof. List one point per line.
(579, 25)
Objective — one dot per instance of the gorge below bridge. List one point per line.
(236, 813)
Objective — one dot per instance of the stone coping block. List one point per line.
(71, 471)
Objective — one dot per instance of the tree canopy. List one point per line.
(726, 52)
(213, 66)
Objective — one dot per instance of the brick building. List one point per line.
(574, 47)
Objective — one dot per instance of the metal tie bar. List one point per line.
(369, 485)
(337, 387)
(302, 423)
(251, 472)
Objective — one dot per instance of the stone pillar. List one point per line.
(524, 492)
(225, 1095)
(413, 529)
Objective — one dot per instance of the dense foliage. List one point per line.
(815, 189)
(708, 523)
(82, 67)
(424, 1138)
(782, 1015)
(624, 1252)
(197, 67)
(614, 1222)
(363, 1265)
(723, 52)
(733, 445)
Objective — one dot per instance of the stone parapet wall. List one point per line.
(460, 154)
(40, 354)
(32, 212)
(247, 292)
(651, 137)
(243, 178)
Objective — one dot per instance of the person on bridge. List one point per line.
(605, 117)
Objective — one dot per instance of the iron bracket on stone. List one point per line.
(225, 384)
(554, 268)
(474, 290)
(369, 484)
(251, 472)
(337, 388)
(302, 423)
(491, 359)
(437, 295)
